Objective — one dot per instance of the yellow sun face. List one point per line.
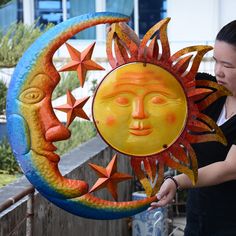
(136, 105)
(149, 105)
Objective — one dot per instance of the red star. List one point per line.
(109, 177)
(81, 62)
(73, 108)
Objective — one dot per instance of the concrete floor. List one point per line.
(179, 225)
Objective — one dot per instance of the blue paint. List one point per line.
(19, 134)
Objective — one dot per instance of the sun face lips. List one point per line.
(140, 131)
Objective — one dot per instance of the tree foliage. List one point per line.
(81, 131)
(3, 2)
(7, 161)
(68, 81)
(16, 40)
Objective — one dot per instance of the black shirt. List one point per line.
(215, 204)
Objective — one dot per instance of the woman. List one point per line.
(211, 204)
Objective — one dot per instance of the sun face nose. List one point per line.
(139, 111)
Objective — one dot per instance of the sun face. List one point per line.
(149, 105)
(136, 104)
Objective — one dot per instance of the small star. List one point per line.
(109, 177)
(81, 62)
(73, 108)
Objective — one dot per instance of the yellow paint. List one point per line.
(140, 109)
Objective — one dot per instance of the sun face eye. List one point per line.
(159, 100)
(122, 101)
(32, 95)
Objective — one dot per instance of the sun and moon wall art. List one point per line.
(148, 107)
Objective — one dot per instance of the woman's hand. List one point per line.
(165, 194)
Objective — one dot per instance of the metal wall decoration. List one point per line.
(147, 107)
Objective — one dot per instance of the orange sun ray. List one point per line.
(123, 48)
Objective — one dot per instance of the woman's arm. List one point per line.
(213, 174)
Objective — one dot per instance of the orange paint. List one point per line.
(122, 100)
(131, 104)
(111, 120)
(158, 100)
(171, 118)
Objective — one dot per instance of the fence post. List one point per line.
(30, 215)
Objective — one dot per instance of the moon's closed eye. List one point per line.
(32, 95)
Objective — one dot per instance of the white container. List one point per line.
(149, 223)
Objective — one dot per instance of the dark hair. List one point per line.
(228, 33)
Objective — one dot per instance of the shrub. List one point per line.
(3, 93)
(81, 131)
(69, 81)
(8, 162)
(16, 40)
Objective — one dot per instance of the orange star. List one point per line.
(81, 62)
(109, 177)
(73, 108)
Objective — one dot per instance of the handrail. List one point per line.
(29, 211)
(12, 200)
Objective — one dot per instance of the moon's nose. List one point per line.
(57, 133)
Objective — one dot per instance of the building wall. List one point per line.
(198, 20)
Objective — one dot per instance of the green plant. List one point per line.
(94, 85)
(16, 40)
(69, 81)
(8, 163)
(81, 131)
(3, 2)
(3, 93)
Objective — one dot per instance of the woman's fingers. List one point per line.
(165, 195)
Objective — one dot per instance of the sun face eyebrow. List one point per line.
(122, 88)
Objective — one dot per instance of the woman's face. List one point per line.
(225, 65)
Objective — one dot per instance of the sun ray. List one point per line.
(153, 49)
(124, 48)
(136, 164)
(129, 42)
(150, 167)
(182, 64)
(161, 26)
(215, 134)
(199, 50)
(217, 92)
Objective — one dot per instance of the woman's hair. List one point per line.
(228, 33)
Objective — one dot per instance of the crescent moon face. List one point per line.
(33, 126)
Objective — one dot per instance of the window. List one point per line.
(49, 11)
(150, 12)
